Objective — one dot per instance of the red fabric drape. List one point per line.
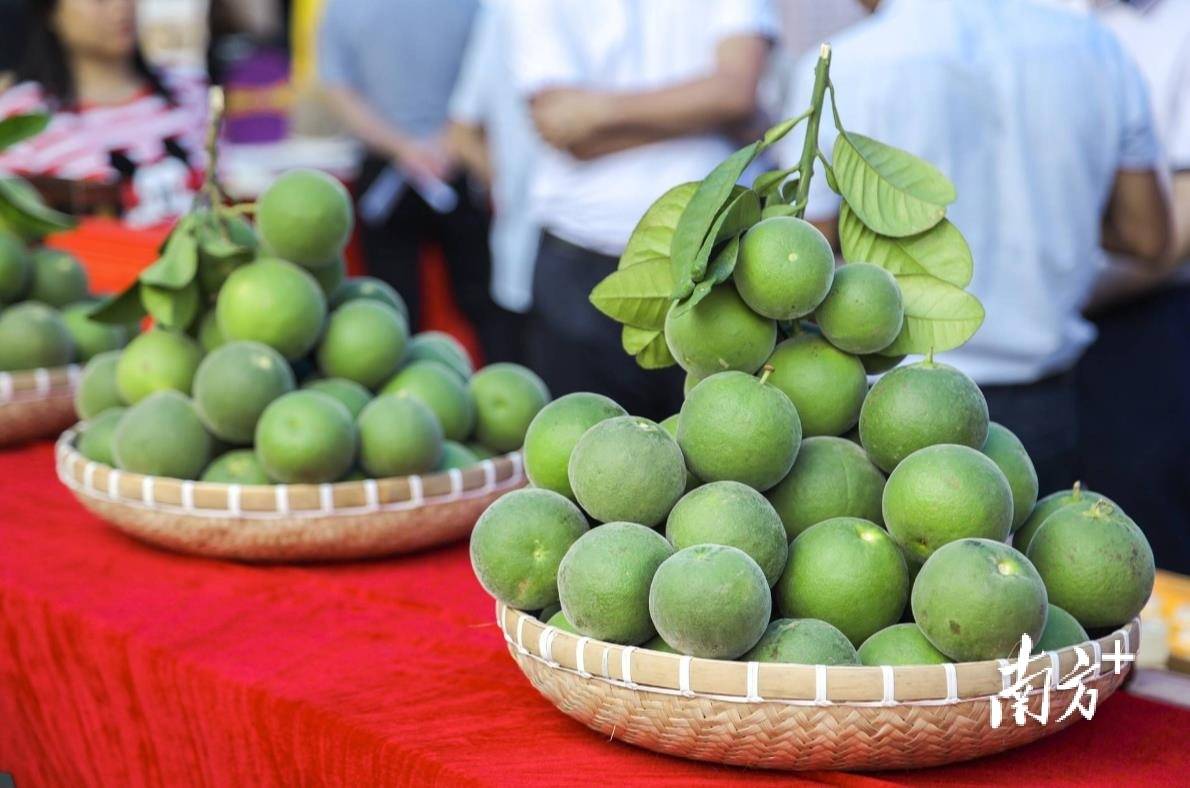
(124, 665)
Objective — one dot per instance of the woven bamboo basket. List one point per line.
(289, 522)
(36, 403)
(795, 717)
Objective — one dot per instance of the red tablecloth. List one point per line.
(122, 665)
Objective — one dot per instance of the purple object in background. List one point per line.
(258, 97)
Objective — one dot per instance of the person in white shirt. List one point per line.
(1044, 126)
(632, 97)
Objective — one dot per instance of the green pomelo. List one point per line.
(172, 309)
(519, 542)
(825, 384)
(863, 312)
(455, 455)
(161, 435)
(353, 396)
(364, 341)
(305, 437)
(1007, 451)
(368, 287)
(274, 302)
(670, 425)
(975, 598)
(97, 441)
(737, 427)
(604, 579)
(238, 466)
(353, 475)
(627, 469)
(720, 333)
(58, 278)
(876, 364)
(847, 572)
(710, 601)
(689, 383)
(209, 334)
(732, 514)
(32, 336)
(658, 644)
(1096, 563)
(832, 477)
(330, 275)
(1047, 506)
(440, 390)
(155, 361)
(480, 451)
(213, 271)
(785, 268)
(97, 390)
(900, 644)
(1061, 630)
(943, 493)
(399, 435)
(558, 621)
(439, 346)
(920, 405)
(305, 217)
(90, 336)
(546, 613)
(507, 397)
(803, 641)
(233, 386)
(16, 268)
(555, 431)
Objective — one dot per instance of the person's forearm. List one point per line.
(469, 144)
(1181, 219)
(701, 105)
(1119, 284)
(366, 125)
(1137, 221)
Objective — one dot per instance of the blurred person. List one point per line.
(114, 118)
(1043, 123)
(389, 67)
(632, 97)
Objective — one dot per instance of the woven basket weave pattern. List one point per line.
(36, 403)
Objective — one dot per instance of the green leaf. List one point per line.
(718, 272)
(938, 316)
(634, 339)
(741, 212)
(122, 309)
(778, 131)
(23, 210)
(892, 191)
(17, 128)
(177, 265)
(940, 251)
(650, 239)
(780, 209)
(767, 183)
(656, 354)
(638, 296)
(789, 191)
(172, 308)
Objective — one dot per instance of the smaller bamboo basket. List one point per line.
(36, 403)
(289, 522)
(797, 717)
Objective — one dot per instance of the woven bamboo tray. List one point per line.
(36, 403)
(289, 522)
(781, 716)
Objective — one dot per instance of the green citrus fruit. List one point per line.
(847, 572)
(974, 598)
(238, 466)
(507, 397)
(480, 451)
(439, 346)
(658, 644)
(733, 514)
(1061, 630)
(97, 390)
(920, 405)
(96, 442)
(305, 437)
(519, 542)
(161, 435)
(440, 390)
(90, 336)
(455, 455)
(739, 427)
(863, 312)
(900, 644)
(16, 268)
(399, 435)
(273, 302)
(233, 386)
(546, 613)
(825, 384)
(876, 364)
(1007, 451)
(942, 493)
(32, 336)
(832, 477)
(555, 430)
(558, 621)
(368, 287)
(670, 425)
(58, 278)
(785, 267)
(353, 396)
(1095, 561)
(330, 275)
(157, 360)
(689, 383)
(305, 217)
(710, 601)
(720, 333)
(1047, 506)
(803, 641)
(604, 579)
(364, 341)
(209, 334)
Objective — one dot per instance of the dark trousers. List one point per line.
(575, 348)
(394, 248)
(1044, 415)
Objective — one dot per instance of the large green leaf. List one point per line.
(656, 354)
(177, 265)
(940, 251)
(16, 128)
(634, 339)
(122, 309)
(891, 191)
(172, 308)
(938, 316)
(638, 296)
(767, 183)
(719, 271)
(23, 211)
(650, 239)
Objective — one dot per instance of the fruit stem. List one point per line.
(1076, 491)
(765, 371)
(810, 146)
(210, 186)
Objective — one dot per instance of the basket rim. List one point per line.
(168, 495)
(24, 385)
(637, 668)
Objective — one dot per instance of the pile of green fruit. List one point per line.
(266, 365)
(789, 512)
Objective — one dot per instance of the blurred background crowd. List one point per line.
(508, 147)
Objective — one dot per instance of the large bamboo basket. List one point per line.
(781, 716)
(289, 522)
(36, 403)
